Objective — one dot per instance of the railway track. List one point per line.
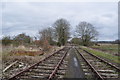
(51, 67)
(97, 68)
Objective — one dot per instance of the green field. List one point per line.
(111, 48)
(110, 57)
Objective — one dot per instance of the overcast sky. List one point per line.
(29, 17)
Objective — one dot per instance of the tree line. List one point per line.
(58, 34)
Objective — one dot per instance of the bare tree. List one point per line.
(46, 38)
(87, 32)
(46, 34)
(61, 28)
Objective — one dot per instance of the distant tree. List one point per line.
(61, 28)
(76, 40)
(87, 32)
(46, 38)
(117, 41)
(6, 40)
(46, 34)
(21, 39)
(50, 36)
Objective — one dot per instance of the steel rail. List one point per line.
(57, 67)
(13, 77)
(102, 60)
(99, 77)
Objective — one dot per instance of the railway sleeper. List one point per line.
(98, 66)
(85, 67)
(48, 68)
(58, 55)
(63, 51)
(106, 71)
(46, 65)
(61, 71)
(55, 58)
(44, 68)
(83, 64)
(38, 74)
(32, 77)
(109, 75)
(96, 62)
(92, 61)
(102, 65)
(104, 68)
(65, 61)
(41, 71)
(63, 66)
(52, 62)
(85, 70)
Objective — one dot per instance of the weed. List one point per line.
(105, 55)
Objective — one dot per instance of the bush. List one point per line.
(6, 40)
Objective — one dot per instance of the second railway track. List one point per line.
(98, 68)
(51, 67)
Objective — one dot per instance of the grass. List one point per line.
(113, 48)
(104, 55)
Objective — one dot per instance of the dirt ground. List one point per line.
(74, 66)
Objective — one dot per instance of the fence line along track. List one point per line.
(102, 69)
(53, 66)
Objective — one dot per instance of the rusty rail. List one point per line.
(103, 60)
(13, 77)
(58, 65)
(99, 77)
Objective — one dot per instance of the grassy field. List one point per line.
(104, 55)
(110, 48)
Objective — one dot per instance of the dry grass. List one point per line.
(28, 53)
(25, 55)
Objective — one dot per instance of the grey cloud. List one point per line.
(31, 17)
